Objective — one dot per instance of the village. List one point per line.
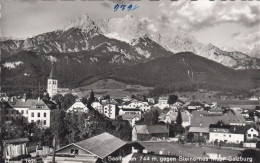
(130, 129)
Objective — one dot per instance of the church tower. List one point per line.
(52, 85)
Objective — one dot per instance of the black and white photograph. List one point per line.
(130, 81)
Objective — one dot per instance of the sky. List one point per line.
(222, 23)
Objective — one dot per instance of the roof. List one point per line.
(156, 129)
(199, 129)
(131, 116)
(141, 129)
(46, 105)
(239, 129)
(19, 140)
(52, 73)
(229, 117)
(219, 126)
(20, 103)
(203, 119)
(130, 109)
(102, 145)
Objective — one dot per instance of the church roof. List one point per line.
(52, 73)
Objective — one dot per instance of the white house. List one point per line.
(111, 111)
(254, 98)
(226, 133)
(251, 134)
(163, 100)
(98, 106)
(123, 111)
(41, 113)
(135, 104)
(78, 106)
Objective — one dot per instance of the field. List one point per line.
(186, 151)
(114, 88)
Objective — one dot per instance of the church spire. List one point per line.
(52, 73)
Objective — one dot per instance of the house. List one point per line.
(18, 108)
(14, 148)
(199, 132)
(42, 113)
(251, 134)
(78, 106)
(233, 119)
(254, 98)
(130, 111)
(171, 116)
(145, 108)
(96, 149)
(226, 133)
(111, 111)
(97, 106)
(151, 100)
(203, 118)
(135, 104)
(147, 132)
(127, 98)
(245, 114)
(163, 100)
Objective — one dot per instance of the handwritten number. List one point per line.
(116, 7)
(130, 7)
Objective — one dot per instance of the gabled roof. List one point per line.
(102, 145)
(156, 129)
(19, 140)
(141, 129)
(20, 103)
(199, 129)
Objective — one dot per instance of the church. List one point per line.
(52, 85)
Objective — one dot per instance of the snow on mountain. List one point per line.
(12, 65)
(128, 38)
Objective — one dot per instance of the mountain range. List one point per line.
(116, 47)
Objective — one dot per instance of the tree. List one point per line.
(190, 136)
(58, 98)
(179, 118)
(172, 99)
(152, 117)
(91, 98)
(69, 99)
(107, 97)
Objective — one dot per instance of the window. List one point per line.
(249, 135)
(7, 118)
(54, 82)
(17, 112)
(49, 82)
(22, 112)
(26, 111)
(230, 136)
(74, 151)
(32, 115)
(251, 130)
(39, 114)
(44, 114)
(44, 122)
(38, 122)
(254, 135)
(32, 121)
